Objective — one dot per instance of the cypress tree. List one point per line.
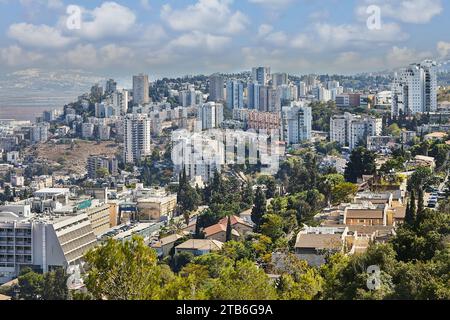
(229, 230)
(420, 206)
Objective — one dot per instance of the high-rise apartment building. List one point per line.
(141, 89)
(261, 75)
(210, 115)
(111, 86)
(235, 94)
(414, 89)
(216, 87)
(120, 101)
(137, 137)
(279, 79)
(351, 130)
(296, 123)
(253, 95)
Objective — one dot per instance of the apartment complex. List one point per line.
(414, 89)
(351, 130)
(137, 137)
(296, 123)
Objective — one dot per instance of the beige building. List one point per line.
(100, 218)
(157, 207)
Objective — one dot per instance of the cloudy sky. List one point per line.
(179, 37)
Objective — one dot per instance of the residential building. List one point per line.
(351, 130)
(279, 79)
(157, 207)
(216, 87)
(199, 247)
(137, 137)
(98, 162)
(314, 243)
(261, 75)
(235, 94)
(414, 89)
(296, 123)
(210, 115)
(141, 89)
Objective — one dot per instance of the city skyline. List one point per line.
(174, 38)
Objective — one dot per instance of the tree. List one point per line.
(123, 271)
(229, 233)
(259, 208)
(102, 173)
(362, 162)
(245, 281)
(187, 196)
(420, 204)
(272, 226)
(343, 192)
(179, 260)
(55, 285)
(410, 216)
(30, 285)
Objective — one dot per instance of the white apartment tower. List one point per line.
(210, 115)
(141, 89)
(296, 123)
(137, 137)
(350, 130)
(414, 89)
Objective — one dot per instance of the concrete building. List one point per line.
(137, 137)
(351, 130)
(261, 75)
(414, 89)
(157, 207)
(216, 87)
(210, 115)
(279, 79)
(314, 243)
(141, 89)
(97, 162)
(235, 94)
(42, 242)
(296, 123)
(39, 133)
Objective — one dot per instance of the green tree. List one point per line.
(123, 271)
(30, 285)
(259, 208)
(55, 285)
(343, 192)
(245, 281)
(229, 232)
(362, 162)
(272, 226)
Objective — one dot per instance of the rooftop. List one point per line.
(201, 244)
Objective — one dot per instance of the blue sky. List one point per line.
(178, 37)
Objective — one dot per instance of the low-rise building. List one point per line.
(313, 243)
(199, 247)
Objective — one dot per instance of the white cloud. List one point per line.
(324, 36)
(212, 16)
(403, 56)
(200, 41)
(109, 20)
(14, 56)
(273, 4)
(443, 49)
(407, 11)
(264, 30)
(145, 4)
(41, 36)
